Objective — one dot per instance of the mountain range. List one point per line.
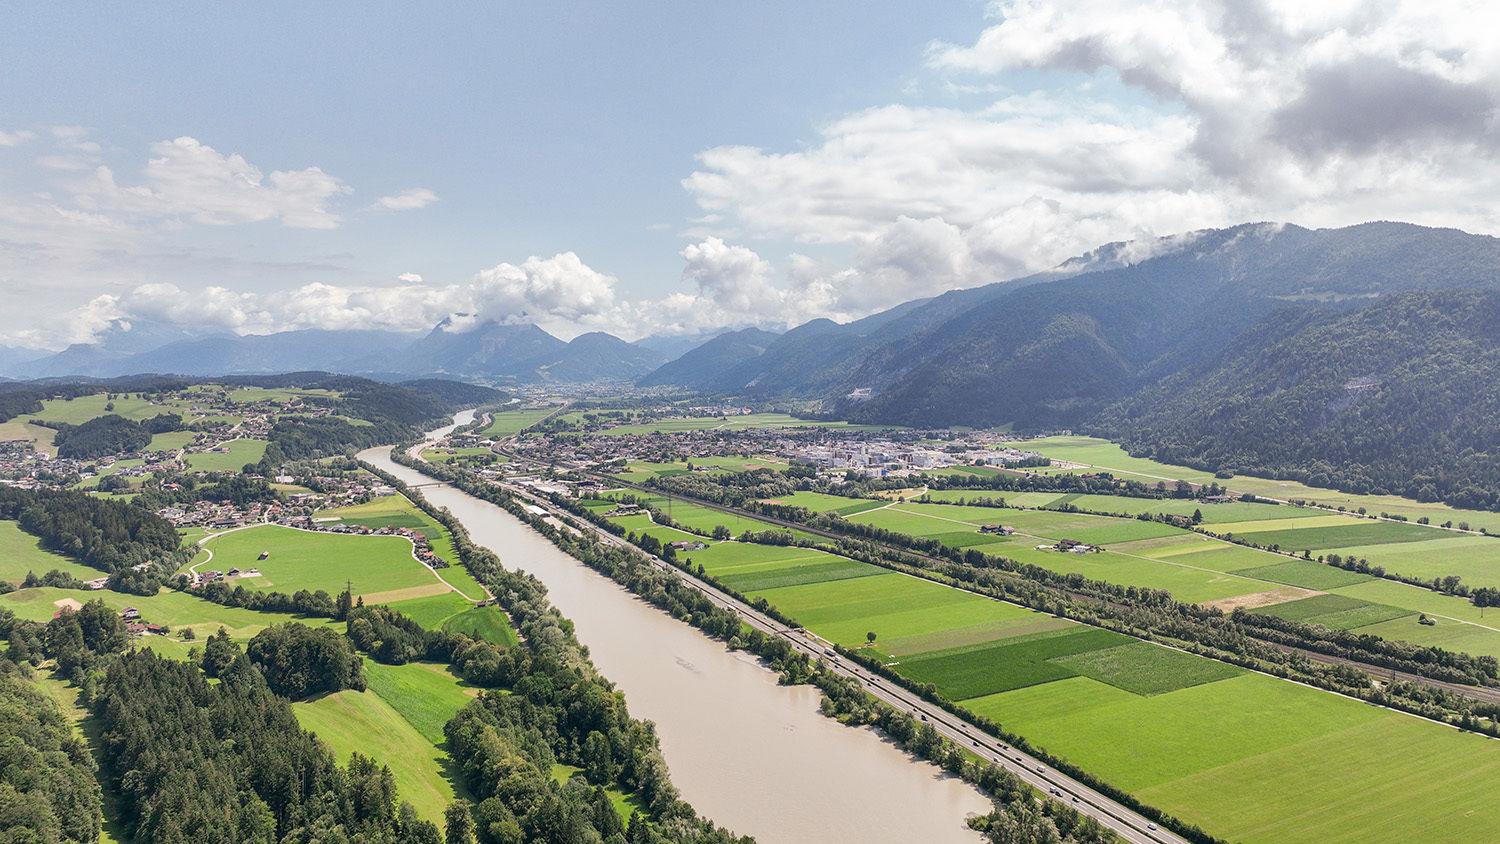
(489, 351)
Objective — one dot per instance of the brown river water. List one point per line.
(752, 755)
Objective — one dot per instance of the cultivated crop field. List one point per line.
(1199, 568)
(1104, 454)
(1182, 732)
(820, 503)
(701, 518)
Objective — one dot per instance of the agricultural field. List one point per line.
(698, 517)
(398, 721)
(1198, 568)
(820, 503)
(398, 511)
(1188, 734)
(20, 553)
(508, 423)
(1180, 731)
(381, 568)
(41, 437)
(235, 454)
(488, 623)
(448, 455)
(1103, 454)
(171, 441)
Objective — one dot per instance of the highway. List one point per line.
(1115, 816)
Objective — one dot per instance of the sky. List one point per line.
(657, 167)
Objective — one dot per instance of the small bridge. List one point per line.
(427, 485)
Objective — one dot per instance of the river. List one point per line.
(752, 755)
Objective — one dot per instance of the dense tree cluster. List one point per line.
(197, 762)
(298, 661)
(302, 437)
(317, 603)
(48, 793)
(107, 535)
(1397, 398)
(393, 639)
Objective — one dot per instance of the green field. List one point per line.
(1103, 454)
(432, 611)
(488, 623)
(507, 423)
(1194, 726)
(820, 503)
(235, 455)
(398, 722)
(700, 518)
(20, 552)
(41, 437)
(398, 511)
(381, 568)
(1182, 732)
(1476, 559)
(170, 441)
(1198, 568)
(448, 455)
(1219, 754)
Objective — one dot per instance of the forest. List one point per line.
(1399, 397)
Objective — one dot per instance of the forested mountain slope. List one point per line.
(1056, 348)
(1402, 396)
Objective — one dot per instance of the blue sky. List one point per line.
(643, 167)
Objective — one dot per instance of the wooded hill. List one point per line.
(1402, 396)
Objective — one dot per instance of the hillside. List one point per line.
(1057, 348)
(699, 365)
(1397, 397)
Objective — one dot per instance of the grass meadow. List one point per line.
(508, 423)
(234, 457)
(20, 553)
(379, 567)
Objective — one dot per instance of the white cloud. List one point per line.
(407, 200)
(540, 289)
(190, 179)
(1175, 116)
(15, 139)
(732, 277)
